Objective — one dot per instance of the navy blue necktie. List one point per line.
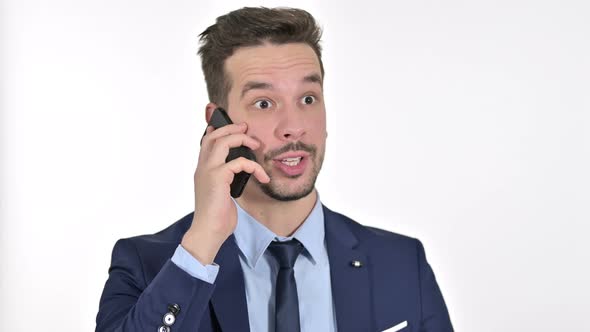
(287, 303)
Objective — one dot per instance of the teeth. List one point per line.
(291, 161)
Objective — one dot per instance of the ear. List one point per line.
(209, 111)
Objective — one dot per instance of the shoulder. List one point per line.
(157, 245)
(386, 249)
(392, 256)
(144, 255)
(368, 235)
(169, 235)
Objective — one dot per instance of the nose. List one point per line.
(291, 125)
(292, 134)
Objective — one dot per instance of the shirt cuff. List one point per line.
(184, 260)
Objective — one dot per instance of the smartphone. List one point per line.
(219, 118)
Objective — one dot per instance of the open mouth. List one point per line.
(292, 161)
(292, 165)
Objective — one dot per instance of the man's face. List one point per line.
(277, 90)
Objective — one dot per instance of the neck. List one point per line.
(282, 218)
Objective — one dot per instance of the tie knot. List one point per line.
(285, 252)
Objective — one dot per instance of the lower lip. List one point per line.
(292, 170)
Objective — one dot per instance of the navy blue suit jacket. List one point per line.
(394, 284)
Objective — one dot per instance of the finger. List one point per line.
(208, 130)
(214, 134)
(220, 150)
(242, 164)
(202, 151)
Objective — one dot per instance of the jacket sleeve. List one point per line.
(435, 316)
(129, 304)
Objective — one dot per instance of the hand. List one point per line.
(215, 216)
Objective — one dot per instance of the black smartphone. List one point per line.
(219, 118)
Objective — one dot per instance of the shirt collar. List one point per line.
(253, 238)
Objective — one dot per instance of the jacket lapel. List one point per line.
(229, 296)
(351, 288)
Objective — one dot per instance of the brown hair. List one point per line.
(251, 27)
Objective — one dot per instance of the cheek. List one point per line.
(263, 135)
(318, 126)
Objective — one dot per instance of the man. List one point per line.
(275, 258)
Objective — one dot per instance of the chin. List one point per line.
(285, 196)
(285, 191)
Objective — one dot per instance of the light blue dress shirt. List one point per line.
(312, 272)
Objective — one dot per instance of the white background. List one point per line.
(462, 123)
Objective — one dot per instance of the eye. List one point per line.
(308, 100)
(263, 104)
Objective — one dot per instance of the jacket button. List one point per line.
(174, 309)
(163, 329)
(169, 319)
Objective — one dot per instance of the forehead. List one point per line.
(269, 61)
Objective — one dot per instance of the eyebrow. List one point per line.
(255, 85)
(252, 85)
(313, 78)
